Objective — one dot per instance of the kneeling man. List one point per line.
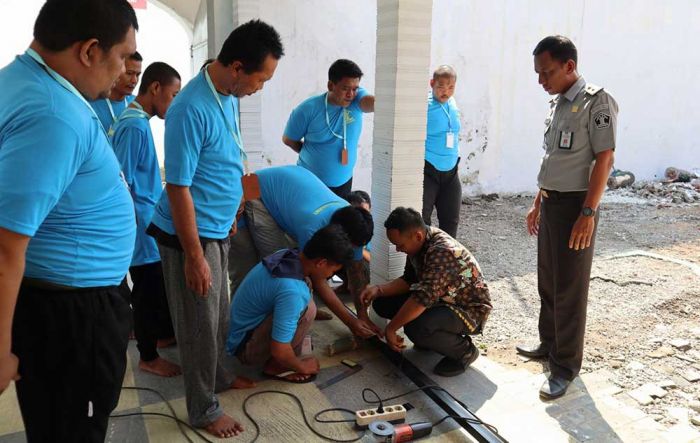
(440, 300)
(272, 310)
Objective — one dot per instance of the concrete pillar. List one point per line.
(219, 24)
(401, 90)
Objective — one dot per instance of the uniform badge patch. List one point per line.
(602, 120)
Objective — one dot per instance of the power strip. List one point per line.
(391, 413)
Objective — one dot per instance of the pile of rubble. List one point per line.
(677, 187)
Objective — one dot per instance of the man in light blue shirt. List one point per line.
(109, 109)
(293, 205)
(325, 128)
(273, 308)
(67, 223)
(442, 188)
(204, 163)
(133, 144)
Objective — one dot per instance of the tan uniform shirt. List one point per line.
(581, 123)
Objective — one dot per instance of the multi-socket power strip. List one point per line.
(390, 414)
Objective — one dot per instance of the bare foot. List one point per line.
(165, 342)
(243, 383)
(273, 369)
(323, 315)
(161, 367)
(224, 427)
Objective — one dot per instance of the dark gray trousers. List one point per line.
(438, 328)
(442, 190)
(563, 275)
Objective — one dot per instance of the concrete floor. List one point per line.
(507, 398)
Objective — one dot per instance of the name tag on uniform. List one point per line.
(450, 141)
(565, 141)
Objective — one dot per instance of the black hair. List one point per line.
(250, 44)
(403, 219)
(445, 71)
(61, 23)
(560, 48)
(356, 198)
(136, 57)
(343, 68)
(159, 72)
(331, 243)
(206, 62)
(356, 222)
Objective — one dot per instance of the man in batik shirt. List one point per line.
(440, 300)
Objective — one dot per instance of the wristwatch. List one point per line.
(588, 212)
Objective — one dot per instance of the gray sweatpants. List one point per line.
(261, 237)
(201, 326)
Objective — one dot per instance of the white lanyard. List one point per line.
(111, 110)
(328, 123)
(236, 134)
(63, 82)
(447, 113)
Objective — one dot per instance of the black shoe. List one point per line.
(554, 387)
(449, 367)
(539, 351)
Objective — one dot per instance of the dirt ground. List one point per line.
(637, 305)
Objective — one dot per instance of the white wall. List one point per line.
(643, 51)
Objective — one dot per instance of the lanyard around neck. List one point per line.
(236, 134)
(447, 113)
(111, 110)
(63, 82)
(328, 123)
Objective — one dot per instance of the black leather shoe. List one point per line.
(554, 387)
(539, 351)
(449, 367)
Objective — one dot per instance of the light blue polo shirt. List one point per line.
(321, 152)
(101, 107)
(133, 144)
(60, 182)
(201, 153)
(260, 295)
(299, 202)
(437, 153)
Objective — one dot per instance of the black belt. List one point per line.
(550, 193)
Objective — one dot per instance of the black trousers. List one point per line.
(343, 190)
(71, 346)
(563, 276)
(442, 190)
(437, 328)
(151, 312)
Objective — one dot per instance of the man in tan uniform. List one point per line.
(579, 134)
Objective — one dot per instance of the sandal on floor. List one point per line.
(282, 376)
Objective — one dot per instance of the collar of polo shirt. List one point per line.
(575, 89)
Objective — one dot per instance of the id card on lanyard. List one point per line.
(450, 138)
(249, 182)
(114, 116)
(344, 152)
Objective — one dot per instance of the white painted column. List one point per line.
(219, 24)
(251, 106)
(401, 90)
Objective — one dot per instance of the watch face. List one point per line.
(587, 212)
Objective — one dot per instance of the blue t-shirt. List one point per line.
(133, 144)
(107, 117)
(322, 151)
(60, 182)
(201, 153)
(260, 295)
(299, 202)
(437, 153)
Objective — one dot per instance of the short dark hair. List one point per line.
(61, 23)
(136, 57)
(250, 44)
(356, 222)
(159, 72)
(403, 219)
(331, 243)
(356, 198)
(445, 71)
(560, 48)
(206, 62)
(343, 68)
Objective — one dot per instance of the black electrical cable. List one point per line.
(179, 422)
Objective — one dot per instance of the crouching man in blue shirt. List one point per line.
(272, 310)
